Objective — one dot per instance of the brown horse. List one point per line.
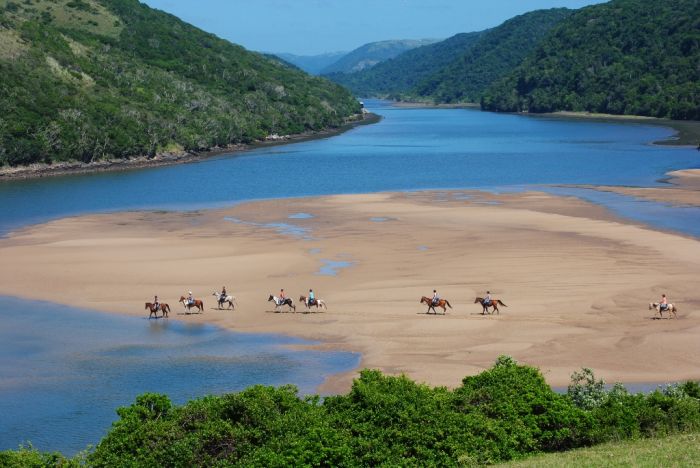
(198, 303)
(164, 308)
(319, 303)
(441, 303)
(494, 303)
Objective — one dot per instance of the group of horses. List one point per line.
(287, 301)
(444, 303)
(230, 302)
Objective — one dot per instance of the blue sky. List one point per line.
(309, 27)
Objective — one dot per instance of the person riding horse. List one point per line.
(487, 299)
(436, 297)
(663, 304)
(312, 297)
(156, 303)
(190, 299)
(283, 296)
(222, 296)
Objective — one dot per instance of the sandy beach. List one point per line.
(577, 281)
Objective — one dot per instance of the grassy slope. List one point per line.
(97, 79)
(676, 450)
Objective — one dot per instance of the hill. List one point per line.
(369, 55)
(496, 53)
(637, 57)
(400, 74)
(312, 63)
(96, 79)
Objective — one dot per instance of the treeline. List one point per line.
(505, 413)
(636, 57)
(93, 79)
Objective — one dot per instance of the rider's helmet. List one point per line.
(434, 290)
(488, 292)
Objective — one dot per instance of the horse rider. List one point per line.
(190, 298)
(312, 297)
(436, 297)
(283, 296)
(487, 299)
(663, 305)
(156, 304)
(222, 296)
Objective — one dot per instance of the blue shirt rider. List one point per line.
(190, 299)
(312, 297)
(436, 297)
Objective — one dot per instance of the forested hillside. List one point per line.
(497, 52)
(93, 79)
(400, 74)
(639, 57)
(368, 55)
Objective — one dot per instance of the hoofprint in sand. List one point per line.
(576, 280)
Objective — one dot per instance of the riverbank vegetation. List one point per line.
(89, 80)
(505, 413)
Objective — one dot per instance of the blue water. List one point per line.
(409, 149)
(64, 371)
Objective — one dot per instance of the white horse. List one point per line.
(279, 303)
(670, 308)
(319, 303)
(230, 299)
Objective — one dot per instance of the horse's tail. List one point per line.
(448, 303)
(502, 303)
(165, 307)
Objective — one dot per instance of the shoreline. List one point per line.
(41, 170)
(687, 131)
(591, 266)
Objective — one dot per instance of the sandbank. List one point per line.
(577, 281)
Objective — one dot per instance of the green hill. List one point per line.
(637, 57)
(369, 55)
(496, 53)
(312, 63)
(92, 79)
(402, 73)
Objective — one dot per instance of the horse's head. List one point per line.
(148, 305)
(423, 299)
(302, 298)
(271, 298)
(652, 305)
(182, 299)
(477, 300)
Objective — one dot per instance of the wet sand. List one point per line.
(577, 281)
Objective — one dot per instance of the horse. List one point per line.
(317, 302)
(198, 303)
(164, 308)
(494, 303)
(440, 303)
(230, 299)
(279, 303)
(670, 308)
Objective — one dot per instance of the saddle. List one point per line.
(312, 302)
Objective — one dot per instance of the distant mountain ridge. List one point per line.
(313, 64)
(99, 79)
(395, 76)
(368, 55)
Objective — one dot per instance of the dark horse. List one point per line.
(279, 302)
(198, 303)
(164, 308)
(494, 303)
(440, 303)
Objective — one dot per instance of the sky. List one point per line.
(311, 27)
